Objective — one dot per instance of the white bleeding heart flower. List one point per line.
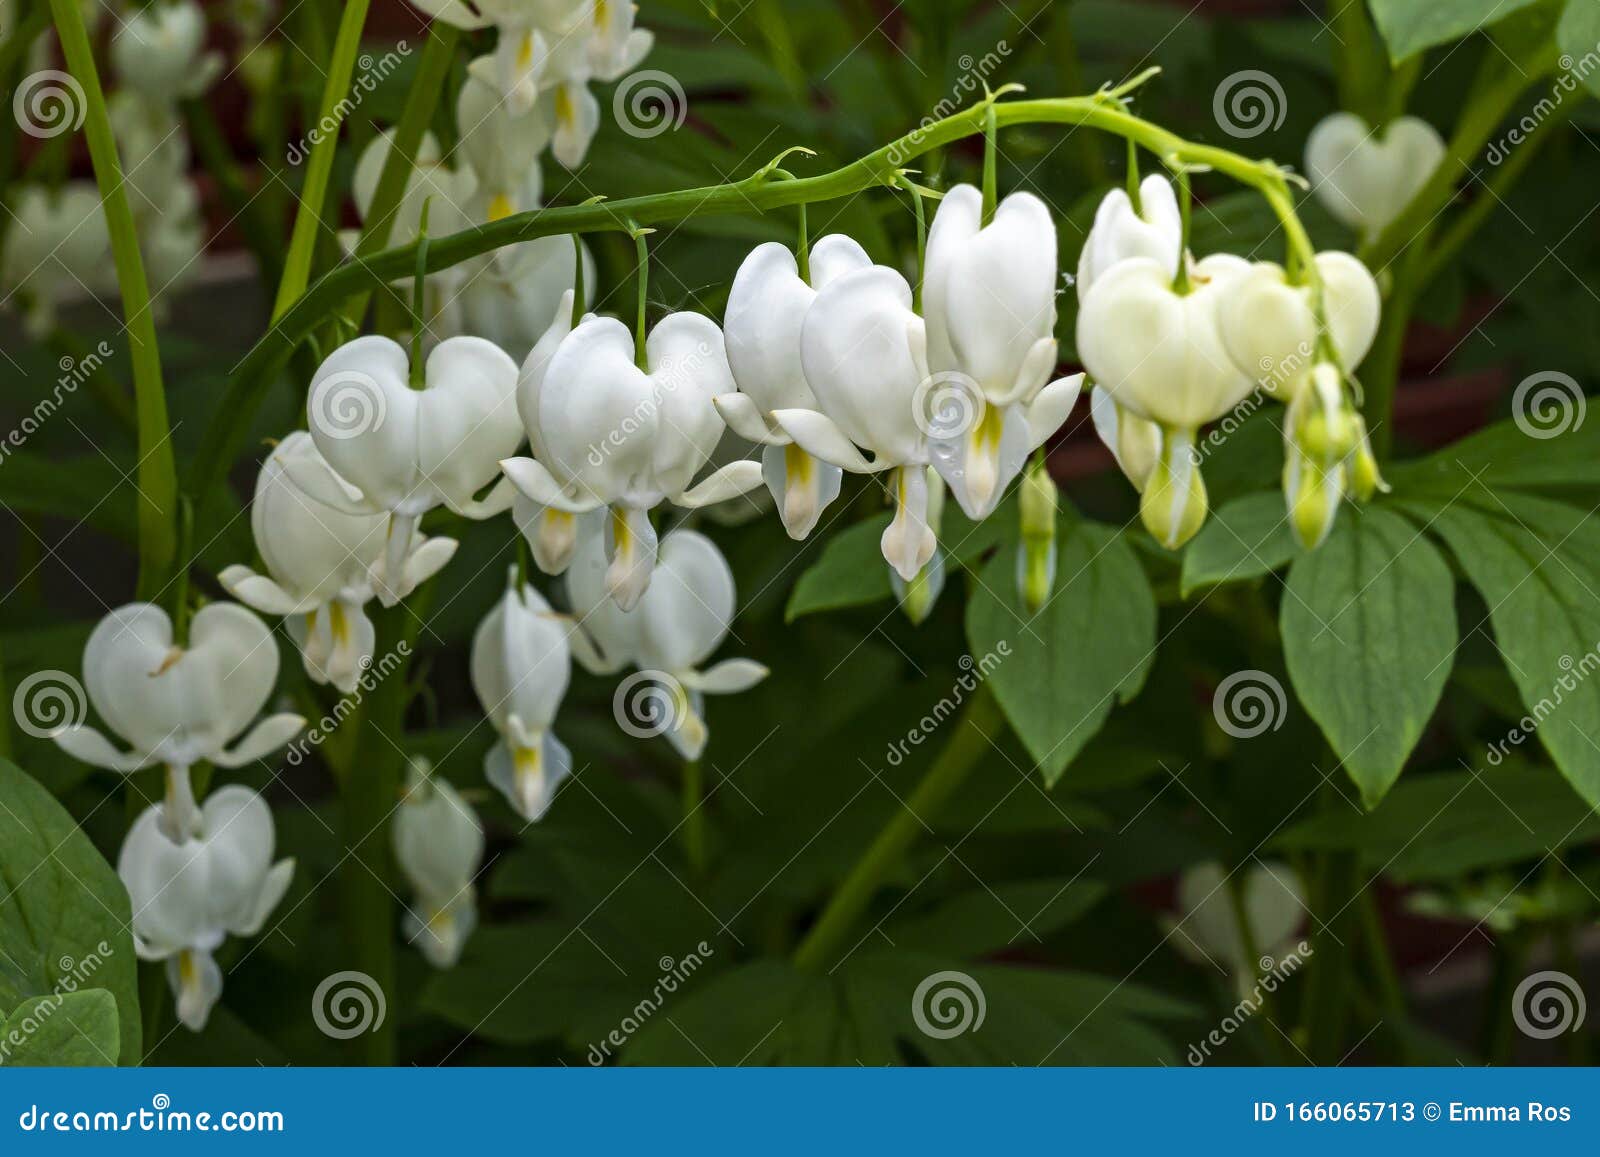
(408, 451)
(1154, 230)
(864, 354)
(918, 596)
(679, 623)
(520, 668)
(1270, 329)
(447, 192)
(603, 642)
(767, 306)
(606, 432)
(323, 565)
(57, 246)
(1159, 352)
(1273, 901)
(616, 47)
(513, 298)
(989, 298)
(438, 843)
(191, 895)
(500, 148)
(154, 151)
(160, 51)
(179, 705)
(1365, 177)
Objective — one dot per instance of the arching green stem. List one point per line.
(157, 474)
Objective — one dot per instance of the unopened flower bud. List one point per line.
(1174, 504)
(1365, 478)
(1312, 493)
(1036, 552)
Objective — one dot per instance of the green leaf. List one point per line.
(746, 1016)
(1369, 635)
(1578, 37)
(1410, 26)
(1440, 826)
(64, 915)
(1245, 539)
(1060, 671)
(1536, 562)
(74, 1028)
(850, 573)
(1504, 456)
(988, 919)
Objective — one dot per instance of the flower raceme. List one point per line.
(408, 451)
(179, 704)
(678, 624)
(324, 565)
(521, 664)
(438, 843)
(190, 895)
(606, 431)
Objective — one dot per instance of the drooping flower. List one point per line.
(1365, 177)
(1208, 931)
(1154, 230)
(520, 668)
(438, 843)
(407, 451)
(606, 432)
(1269, 326)
(57, 247)
(989, 298)
(500, 148)
(767, 306)
(323, 564)
(1134, 442)
(678, 624)
(1326, 455)
(1158, 352)
(191, 895)
(159, 50)
(178, 705)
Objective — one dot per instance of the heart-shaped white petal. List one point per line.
(1365, 178)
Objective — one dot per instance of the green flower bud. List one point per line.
(1174, 504)
(1036, 552)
